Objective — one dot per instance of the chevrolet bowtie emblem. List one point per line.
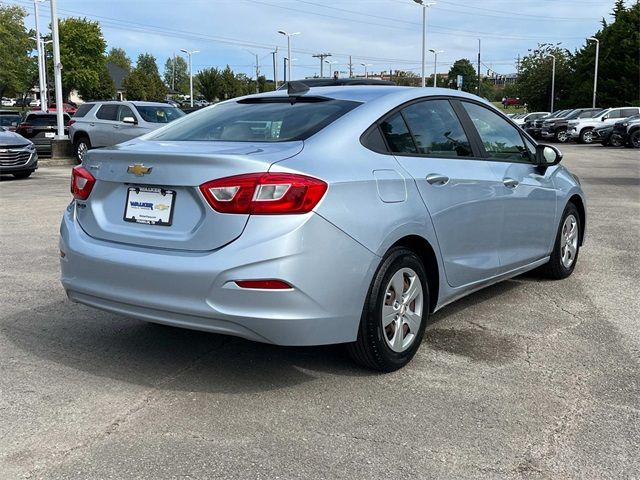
(138, 169)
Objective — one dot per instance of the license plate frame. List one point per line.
(49, 134)
(146, 203)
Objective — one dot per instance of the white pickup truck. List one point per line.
(581, 129)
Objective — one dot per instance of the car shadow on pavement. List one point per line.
(127, 350)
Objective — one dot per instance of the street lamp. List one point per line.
(288, 35)
(424, 33)
(435, 64)
(365, 65)
(553, 79)
(41, 63)
(331, 63)
(189, 53)
(595, 75)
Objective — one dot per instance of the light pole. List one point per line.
(435, 64)
(595, 75)
(365, 65)
(275, 68)
(189, 53)
(553, 79)
(424, 33)
(44, 73)
(331, 63)
(57, 69)
(41, 80)
(288, 35)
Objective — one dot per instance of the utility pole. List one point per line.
(57, 69)
(190, 73)
(321, 56)
(288, 35)
(41, 64)
(435, 65)
(275, 68)
(350, 68)
(595, 75)
(173, 81)
(553, 80)
(424, 35)
(518, 65)
(478, 67)
(284, 64)
(257, 74)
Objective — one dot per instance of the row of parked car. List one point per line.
(610, 126)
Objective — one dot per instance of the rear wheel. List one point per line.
(587, 136)
(25, 174)
(562, 136)
(567, 246)
(395, 313)
(634, 139)
(616, 140)
(81, 147)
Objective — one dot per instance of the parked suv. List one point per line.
(556, 128)
(528, 117)
(627, 132)
(40, 128)
(582, 129)
(534, 127)
(102, 124)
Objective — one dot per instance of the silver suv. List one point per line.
(102, 124)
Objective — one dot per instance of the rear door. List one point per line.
(102, 132)
(526, 192)
(460, 190)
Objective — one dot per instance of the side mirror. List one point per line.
(548, 155)
(129, 120)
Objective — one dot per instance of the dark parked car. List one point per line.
(534, 128)
(9, 119)
(556, 128)
(40, 128)
(627, 132)
(18, 156)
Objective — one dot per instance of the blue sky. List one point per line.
(383, 33)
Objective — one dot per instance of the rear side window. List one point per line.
(627, 112)
(501, 140)
(258, 120)
(107, 112)
(437, 130)
(397, 133)
(83, 110)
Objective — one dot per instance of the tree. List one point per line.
(17, 66)
(176, 75)
(103, 90)
(82, 54)
(406, 79)
(619, 67)
(209, 83)
(534, 81)
(144, 82)
(465, 68)
(119, 57)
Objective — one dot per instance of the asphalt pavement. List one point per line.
(527, 379)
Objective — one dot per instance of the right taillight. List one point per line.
(264, 193)
(81, 182)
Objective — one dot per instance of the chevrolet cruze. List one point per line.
(318, 216)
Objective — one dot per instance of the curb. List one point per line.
(57, 162)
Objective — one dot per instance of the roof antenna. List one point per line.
(295, 89)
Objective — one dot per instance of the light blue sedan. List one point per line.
(317, 216)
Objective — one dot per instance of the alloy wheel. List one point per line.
(81, 150)
(402, 309)
(635, 139)
(569, 241)
(562, 136)
(588, 137)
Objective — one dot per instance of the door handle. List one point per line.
(92, 124)
(510, 182)
(437, 179)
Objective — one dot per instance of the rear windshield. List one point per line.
(9, 120)
(45, 120)
(159, 114)
(272, 119)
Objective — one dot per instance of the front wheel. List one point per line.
(634, 139)
(82, 146)
(562, 136)
(587, 136)
(395, 313)
(616, 141)
(567, 246)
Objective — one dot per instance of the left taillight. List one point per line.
(82, 183)
(264, 193)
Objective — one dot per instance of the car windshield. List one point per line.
(159, 114)
(9, 120)
(267, 119)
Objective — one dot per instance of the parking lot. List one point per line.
(526, 379)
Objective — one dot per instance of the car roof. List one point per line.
(135, 102)
(368, 93)
(40, 112)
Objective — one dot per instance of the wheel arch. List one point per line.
(425, 251)
(79, 134)
(579, 203)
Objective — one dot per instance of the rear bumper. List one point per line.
(329, 272)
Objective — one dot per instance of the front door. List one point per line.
(460, 191)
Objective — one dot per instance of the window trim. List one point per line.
(398, 109)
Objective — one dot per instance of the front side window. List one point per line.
(437, 130)
(501, 140)
(108, 112)
(124, 112)
(397, 134)
(270, 119)
(159, 114)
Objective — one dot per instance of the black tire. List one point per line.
(25, 174)
(555, 269)
(634, 139)
(616, 141)
(371, 349)
(81, 146)
(586, 136)
(561, 136)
